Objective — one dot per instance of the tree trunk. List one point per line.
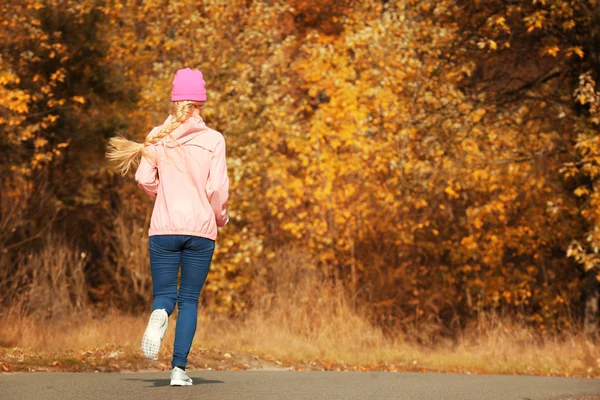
(592, 295)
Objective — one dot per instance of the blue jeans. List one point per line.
(194, 254)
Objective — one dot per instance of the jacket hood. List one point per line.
(191, 128)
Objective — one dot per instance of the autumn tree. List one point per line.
(60, 100)
(435, 159)
(539, 60)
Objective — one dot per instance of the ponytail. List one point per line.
(125, 153)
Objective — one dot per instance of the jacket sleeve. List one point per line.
(146, 175)
(217, 188)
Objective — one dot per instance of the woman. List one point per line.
(183, 166)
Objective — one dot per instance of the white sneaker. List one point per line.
(180, 378)
(159, 320)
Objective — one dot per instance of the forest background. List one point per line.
(411, 174)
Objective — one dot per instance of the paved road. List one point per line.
(287, 385)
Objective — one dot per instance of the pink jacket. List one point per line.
(187, 174)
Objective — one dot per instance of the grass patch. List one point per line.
(111, 343)
(300, 321)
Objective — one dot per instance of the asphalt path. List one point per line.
(288, 385)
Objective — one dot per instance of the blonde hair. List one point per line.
(127, 153)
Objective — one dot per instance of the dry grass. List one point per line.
(49, 283)
(300, 321)
(347, 343)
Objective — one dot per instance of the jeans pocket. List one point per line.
(161, 242)
(197, 243)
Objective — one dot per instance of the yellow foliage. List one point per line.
(388, 141)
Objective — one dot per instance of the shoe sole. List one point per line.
(177, 382)
(154, 333)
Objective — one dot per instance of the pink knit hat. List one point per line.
(188, 85)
